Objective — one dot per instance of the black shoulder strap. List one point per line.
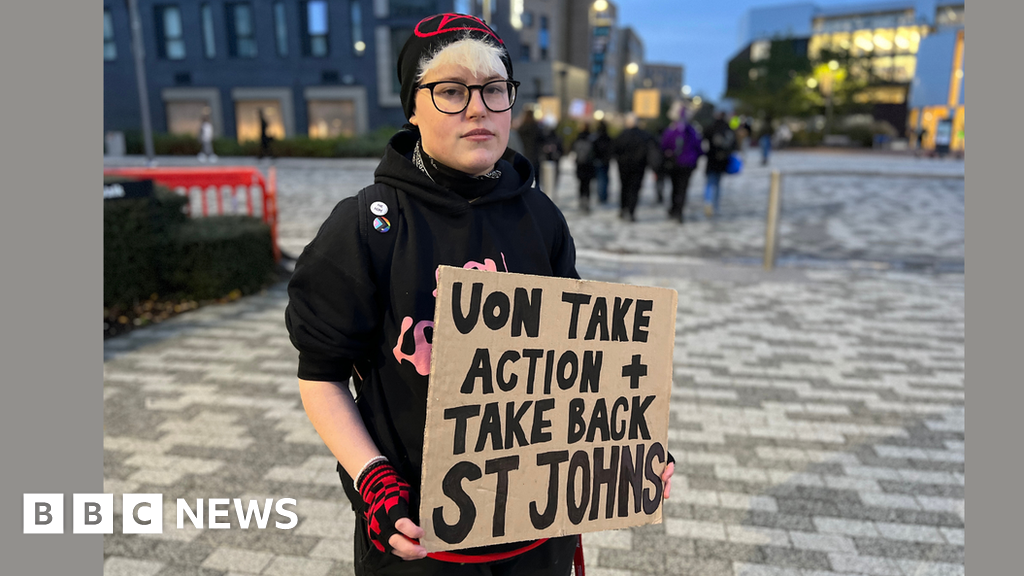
(379, 239)
(377, 235)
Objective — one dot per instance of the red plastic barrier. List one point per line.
(188, 178)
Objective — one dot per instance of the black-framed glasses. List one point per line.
(451, 97)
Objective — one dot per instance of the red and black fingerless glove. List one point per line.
(386, 496)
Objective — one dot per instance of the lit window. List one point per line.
(109, 47)
(247, 119)
(206, 14)
(332, 118)
(358, 44)
(170, 40)
(280, 29)
(315, 37)
(241, 30)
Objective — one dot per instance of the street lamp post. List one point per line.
(140, 78)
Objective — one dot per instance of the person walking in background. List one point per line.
(721, 142)
(529, 133)
(631, 152)
(681, 146)
(551, 149)
(767, 133)
(662, 168)
(602, 160)
(265, 137)
(744, 135)
(583, 149)
(206, 140)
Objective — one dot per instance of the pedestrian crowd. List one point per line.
(672, 154)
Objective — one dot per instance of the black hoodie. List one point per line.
(349, 307)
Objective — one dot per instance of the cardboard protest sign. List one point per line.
(547, 412)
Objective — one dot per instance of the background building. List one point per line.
(666, 78)
(631, 61)
(313, 67)
(887, 44)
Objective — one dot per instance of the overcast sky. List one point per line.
(700, 35)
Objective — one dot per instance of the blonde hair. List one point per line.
(481, 58)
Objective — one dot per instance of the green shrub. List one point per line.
(211, 257)
(369, 145)
(150, 246)
(135, 234)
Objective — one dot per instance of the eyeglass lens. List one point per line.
(453, 97)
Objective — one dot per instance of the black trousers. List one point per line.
(632, 179)
(552, 558)
(680, 183)
(585, 186)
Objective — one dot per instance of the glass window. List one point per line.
(109, 47)
(185, 116)
(280, 29)
(315, 41)
(170, 40)
(885, 40)
(206, 15)
(462, 7)
(524, 52)
(241, 30)
(419, 8)
(863, 43)
(358, 44)
(949, 16)
(332, 118)
(398, 38)
(528, 19)
(247, 119)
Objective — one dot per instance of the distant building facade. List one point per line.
(665, 78)
(312, 67)
(891, 38)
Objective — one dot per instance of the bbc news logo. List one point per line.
(144, 513)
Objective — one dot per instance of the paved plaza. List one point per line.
(817, 413)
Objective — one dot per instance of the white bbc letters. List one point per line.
(92, 513)
(142, 513)
(43, 514)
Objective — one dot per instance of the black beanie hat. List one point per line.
(428, 38)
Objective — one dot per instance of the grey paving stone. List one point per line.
(825, 361)
(702, 566)
(910, 550)
(630, 560)
(804, 559)
(729, 551)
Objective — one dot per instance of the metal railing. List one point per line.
(207, 181)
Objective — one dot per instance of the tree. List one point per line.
(772, 84)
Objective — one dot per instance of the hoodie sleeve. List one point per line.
(333, 310)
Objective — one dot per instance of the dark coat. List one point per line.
(721, 143)
(632, 149)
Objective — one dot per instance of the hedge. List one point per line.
(216, 255)
(151, 247)
(370, 145)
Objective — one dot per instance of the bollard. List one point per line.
(772, 224)
(547, 178)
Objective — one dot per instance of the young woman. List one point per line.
(447, 192)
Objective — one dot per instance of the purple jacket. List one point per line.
(682, 140)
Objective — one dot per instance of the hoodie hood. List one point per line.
(396, 169)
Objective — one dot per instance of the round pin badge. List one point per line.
(379, 208)
(381, 224)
